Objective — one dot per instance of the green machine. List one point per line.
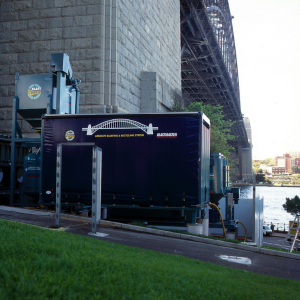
(36, 95)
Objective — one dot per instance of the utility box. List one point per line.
(219, 173)
(34, 91)
(41, 94)
(35, 94)
(149, 160)
(217, 165)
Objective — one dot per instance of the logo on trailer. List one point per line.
(34, 91)
(166, 135)
(70, 135)
(120, 124)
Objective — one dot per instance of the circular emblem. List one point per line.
(70, 135)
(34, 91)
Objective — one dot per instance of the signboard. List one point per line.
(158, 159)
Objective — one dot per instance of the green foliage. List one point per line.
(256, 166)
(260, 176)
(220, 128)
(180, 100)
(138, 223)
(292, 205)
(293, 179)
(296, 169)
(268, 161)
(38, 263)
(281, 250)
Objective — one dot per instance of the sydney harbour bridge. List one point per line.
(208, 60)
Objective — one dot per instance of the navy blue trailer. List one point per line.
(150, 161)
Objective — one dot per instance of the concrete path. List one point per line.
(202, 250)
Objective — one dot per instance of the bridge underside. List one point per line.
(208, 60)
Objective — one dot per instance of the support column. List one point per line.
(247, 165)
(149, 92)
(102, 57)
(240, 155)
(107, 69)
(114, 56)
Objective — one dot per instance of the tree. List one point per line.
(269, 162)
(220, 128)
(180, 100)
(256, 166)
(292, 205)
(260, 176)
(296, 169)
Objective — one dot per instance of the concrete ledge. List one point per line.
(172, 234)
(25, 211)
(162, 233)
(204, 240)
(109, 223)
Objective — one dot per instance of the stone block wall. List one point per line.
(148, 41)
(110, 44)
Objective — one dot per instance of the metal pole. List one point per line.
(254, 225)
(99, 181)
(96, 187)
(41, 157)
(13, 152)
(77, 100)
(58, 184)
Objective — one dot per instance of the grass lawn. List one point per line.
(38, 263)
(283, 250)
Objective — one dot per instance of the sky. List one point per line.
(267, 39)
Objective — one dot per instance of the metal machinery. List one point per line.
(5, 150)
(35, 96)
(155, 166)
(219, 188)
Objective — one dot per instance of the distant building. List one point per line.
(294, 153)
(278, 170)
(297, 162)
(292, 162)
(279, 161)
(283, 162)
(264, 168)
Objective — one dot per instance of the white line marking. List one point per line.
(273, 244)
(98, 234)
(236, 259)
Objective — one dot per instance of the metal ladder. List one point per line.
(291, 236)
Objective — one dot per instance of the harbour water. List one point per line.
(274, 197)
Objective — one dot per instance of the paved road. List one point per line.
(273, 241)
(261, 263)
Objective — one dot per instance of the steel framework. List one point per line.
(120, 124)
(208, 59)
